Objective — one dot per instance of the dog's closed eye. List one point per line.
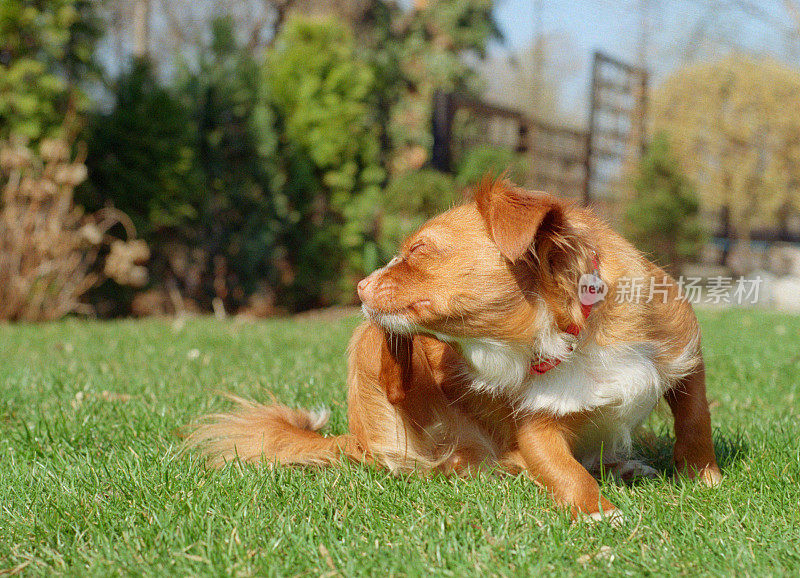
(416, 247)
(421, 247)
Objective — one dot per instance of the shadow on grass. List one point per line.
(656, 451)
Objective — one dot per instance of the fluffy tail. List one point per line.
(260, 433)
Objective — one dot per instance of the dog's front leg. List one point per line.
(545, 446)
(694, 447)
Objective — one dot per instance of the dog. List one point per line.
(498, 337)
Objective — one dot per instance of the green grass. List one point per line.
(90, 482)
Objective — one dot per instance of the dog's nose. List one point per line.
(363, 287)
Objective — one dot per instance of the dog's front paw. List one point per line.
(707, 475)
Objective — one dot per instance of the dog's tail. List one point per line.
(270, 434)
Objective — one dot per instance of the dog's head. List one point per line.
(485, 269)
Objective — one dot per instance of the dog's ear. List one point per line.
(527, 224)
(515, 217)
(396, 365)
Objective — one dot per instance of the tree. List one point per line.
(46, 58)
(736, 132)
(196, 167)
(236, 146)
(414, 53)
(662, 217)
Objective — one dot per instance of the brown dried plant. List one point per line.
(51, 252)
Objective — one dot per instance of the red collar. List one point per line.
(545, 365)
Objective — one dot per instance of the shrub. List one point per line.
(142, 160)
(236, 233)
(321, 90)
(50, 252)
(46, 54)
(662, 218)
(195, 167)
(141, 155)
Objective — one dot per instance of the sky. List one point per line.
(678, 31)
(593, 24)
(613, 25)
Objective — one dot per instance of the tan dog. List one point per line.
(481, 349)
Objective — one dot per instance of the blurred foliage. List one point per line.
(142, 155)
(410, 200)
(233, 237)
(487, 159)
(254, 172)
(734, 127)
(323, 91)
(662, 218)
(415, 53)
(193, 166)
(46, 55)
(142, 160)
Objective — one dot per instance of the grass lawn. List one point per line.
(90, 482)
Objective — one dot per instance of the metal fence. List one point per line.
(585, 165)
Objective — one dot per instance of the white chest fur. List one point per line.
(620, 385)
